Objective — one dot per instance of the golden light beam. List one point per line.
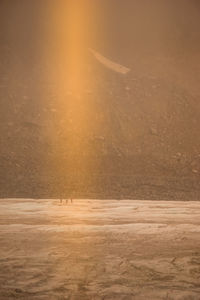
(68, 36)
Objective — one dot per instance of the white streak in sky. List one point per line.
(109, 64)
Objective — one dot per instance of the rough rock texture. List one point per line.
(69, 125)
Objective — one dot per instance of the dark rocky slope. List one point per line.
(81, 129)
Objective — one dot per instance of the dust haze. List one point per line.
(134, 135)
(99, 149)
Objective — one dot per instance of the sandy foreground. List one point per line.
(94, 249)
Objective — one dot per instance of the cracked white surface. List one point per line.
(94, 249)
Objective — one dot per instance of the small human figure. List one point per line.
(70, 200)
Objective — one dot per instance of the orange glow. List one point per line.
(68, 36)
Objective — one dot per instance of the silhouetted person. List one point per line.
(66, 200)
(70, 200)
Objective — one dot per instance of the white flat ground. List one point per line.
(94, 249)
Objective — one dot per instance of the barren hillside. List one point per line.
(71, 125)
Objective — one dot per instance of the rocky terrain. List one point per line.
(71, 126)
